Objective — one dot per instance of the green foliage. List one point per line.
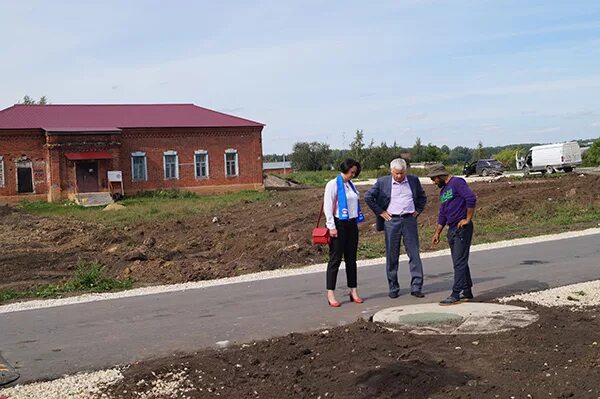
(167, 193)
(152, 205)
(30, 101)
(357, 147)
(460, 155)
(479, 153)
(592, 156)
(311, 156)
(507, 157)
(89, 277)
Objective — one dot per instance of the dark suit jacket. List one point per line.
(379, 196)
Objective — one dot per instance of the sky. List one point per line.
(450, 72)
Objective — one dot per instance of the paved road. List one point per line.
(47, 343)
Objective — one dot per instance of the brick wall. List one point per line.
(51, 168)
(185, 141)
(23, 145)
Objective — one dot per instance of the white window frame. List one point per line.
(2, 181)
(139, 154)
(165, 154)
(201, 152)
(237, 161)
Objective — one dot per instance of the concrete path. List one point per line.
(48, 343)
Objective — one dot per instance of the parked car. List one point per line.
(483, 167)
(551, 158)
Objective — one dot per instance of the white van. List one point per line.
(551, 158)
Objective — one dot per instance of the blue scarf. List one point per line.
(343, 201)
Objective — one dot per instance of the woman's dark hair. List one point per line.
(348, 164)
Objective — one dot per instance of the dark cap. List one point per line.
(437, 170)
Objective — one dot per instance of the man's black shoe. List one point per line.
(465, 298)
(394, 295)
(451, 300)
(417, 294)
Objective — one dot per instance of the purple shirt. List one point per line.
(402, 198)
(455, 198)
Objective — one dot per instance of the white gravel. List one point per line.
(78, 386)
(272, 274)
(575, 296)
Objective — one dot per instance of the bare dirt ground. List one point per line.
(264, 235)
(557, 357)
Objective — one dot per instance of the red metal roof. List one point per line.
(71, 116)
(82, 156)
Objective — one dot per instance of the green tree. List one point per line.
(433, 153)
(460, 155)
(417, 151)
(479, 153)
(357, 146)
(30, 101)
(592, 156)
(311, 156)
(507, 157)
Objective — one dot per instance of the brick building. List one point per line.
(58, 151)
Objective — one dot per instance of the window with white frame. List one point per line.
(201, 164)
(171, 165)
(139, 166)
(231, 162)
(1, 171)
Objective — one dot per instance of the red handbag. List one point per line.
(320, 235)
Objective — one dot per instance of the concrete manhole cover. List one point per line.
(466, 318)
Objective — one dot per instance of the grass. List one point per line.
(147, 206)
(89, 277)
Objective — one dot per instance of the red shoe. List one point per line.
(335, 304)
(356, 299)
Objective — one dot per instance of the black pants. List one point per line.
(344, 245)
(460, 246)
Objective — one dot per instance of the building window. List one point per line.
(231, 162)
(1, 171)
(201, 164)
(139, 168)
(171, 163)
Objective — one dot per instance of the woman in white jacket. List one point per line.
(343, 213)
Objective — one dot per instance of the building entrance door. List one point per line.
(87, 176)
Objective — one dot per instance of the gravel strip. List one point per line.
(271, 274)
(78, 386)
(575, 296)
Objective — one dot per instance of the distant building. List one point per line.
(277, 168)
(56, 151)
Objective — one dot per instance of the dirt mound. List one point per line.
(275, 182)
(114, 207)
(6, 210)
(555, 357)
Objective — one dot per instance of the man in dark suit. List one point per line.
(397, 200)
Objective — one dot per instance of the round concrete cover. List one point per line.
(465, 318)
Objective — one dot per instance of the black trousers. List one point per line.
(344, 245)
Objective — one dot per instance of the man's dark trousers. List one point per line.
(460, 246)
(397, 229)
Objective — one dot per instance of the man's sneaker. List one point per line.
(394, 294)
(450, 301)
(417, 294)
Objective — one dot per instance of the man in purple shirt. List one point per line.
(457, 207)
